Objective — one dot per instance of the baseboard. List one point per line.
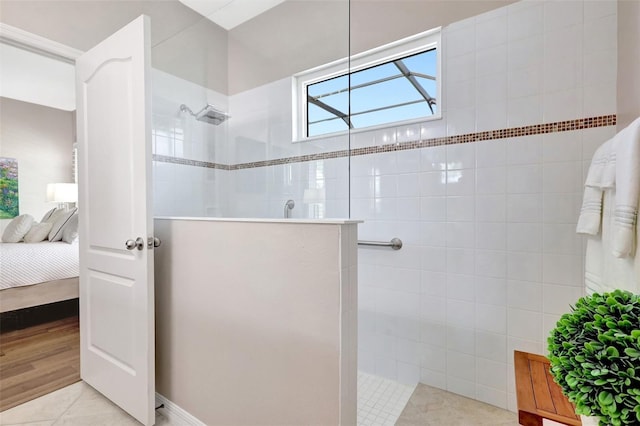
(176, 414)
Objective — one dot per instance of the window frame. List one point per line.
(408, 46)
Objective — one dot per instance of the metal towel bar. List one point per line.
(395, 243)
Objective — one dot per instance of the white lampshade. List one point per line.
(62, 192)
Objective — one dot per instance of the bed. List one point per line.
(37, 274)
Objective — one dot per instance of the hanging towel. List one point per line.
(603, 271)
(601, 176)
(615, 165)
(627, 190)
(591, 211)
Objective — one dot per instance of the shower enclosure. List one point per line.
(483, 189)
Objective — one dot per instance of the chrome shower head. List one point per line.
(208, 114)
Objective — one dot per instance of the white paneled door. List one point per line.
(116, 227)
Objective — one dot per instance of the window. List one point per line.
(395, 83)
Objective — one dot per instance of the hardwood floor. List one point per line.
(37, 360)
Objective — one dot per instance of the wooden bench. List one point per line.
(539, 397)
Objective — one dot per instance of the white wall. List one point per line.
(41, 139)
(273, 343)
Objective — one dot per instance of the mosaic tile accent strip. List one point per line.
(513, 132)
(187, 162)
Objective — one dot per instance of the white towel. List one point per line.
(616, 164)
(601, 176)
(591, 212)
(627, 190)
(603, 271)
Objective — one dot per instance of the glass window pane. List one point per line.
(324, 127)
(374, 102)
(407, 112)
(424, 63)
(389, 93)
(374, 73)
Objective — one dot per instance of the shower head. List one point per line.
(208, 114)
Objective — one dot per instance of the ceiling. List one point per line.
(230, 13)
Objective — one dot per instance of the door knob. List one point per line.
(138, 243)
(153, 242)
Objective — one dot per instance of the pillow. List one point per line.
(47, 215)
(55, 215)
(70, 230)
(38, 232)
(60, 221)
(17, 229)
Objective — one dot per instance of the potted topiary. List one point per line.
(594, 353)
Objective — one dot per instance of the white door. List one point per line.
(117, 353)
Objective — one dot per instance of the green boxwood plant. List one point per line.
(594, 353)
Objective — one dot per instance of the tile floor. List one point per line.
(75, 405)
(381, 401)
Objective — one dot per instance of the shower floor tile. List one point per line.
(380, 400)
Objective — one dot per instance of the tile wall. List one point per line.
(490, 258)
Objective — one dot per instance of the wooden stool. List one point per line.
(539, 397)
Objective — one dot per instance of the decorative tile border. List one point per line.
(513, 132)
(187, 162)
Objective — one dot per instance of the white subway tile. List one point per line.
(562, 146)
(493, 375)
(491, 116)
(491, 290)
(526, 325)
(563, 269)
(433, 209)
(563, 105)
(491, 180)
(525, 53)
(433, 283)
(563, 177)
(491, 61)
(461, 121)
(490, 208)
(491, 318)
(461, 156)
(460, 313)
(491, 153)
(524, 266)
(460, 208)
(408, 208)
(524, 295)
(525, 19)
(433, 183)
(559, 238)
(599, 9)
(434, 259)
(461, 339)
(433, 159)
(491, 263)
(461, 386)
(460, 287)
(524, 179)
(491, 32)
(524, 82)
(491, 346)
(559, 298)
(524, 207)
(433, 234)
(460, 365)
(524, 150)
(461, 182)
(558, 14)
(525, 111)
(460, 234)
(461, 261)
(408, 161)
(526, 237)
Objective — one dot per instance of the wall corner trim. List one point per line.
(176, 414)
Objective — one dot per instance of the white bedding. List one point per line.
(25, 264)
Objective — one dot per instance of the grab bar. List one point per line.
(395, 243)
